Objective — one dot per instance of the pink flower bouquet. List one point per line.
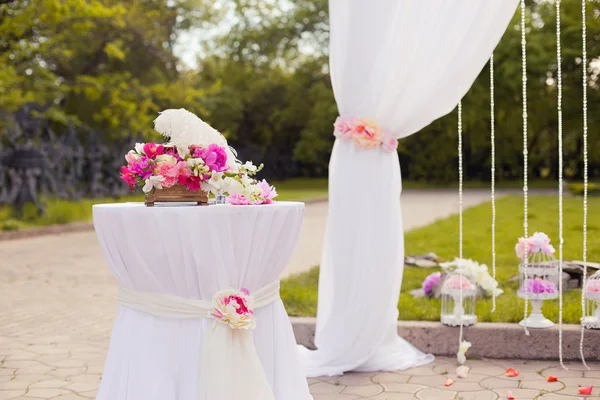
(153, 165)
(538, 243)
(454, 282)
(198, 168)
(431, 282)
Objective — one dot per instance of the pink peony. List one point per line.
(343, 127)
(170, 172)
(540, 243)
(129, 177)
(190, 181)
(539, 286)
(520, 248)
(390, 143)
(454, 282)
(238, 200)
(268, 193)
(152, 150)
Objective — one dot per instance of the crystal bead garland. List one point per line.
(524, 84)
(560, 186)
(460, 214)
(493, 174)
(585, 173)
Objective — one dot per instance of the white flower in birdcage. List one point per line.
(591, 293)
(458, 299)
(538, 276)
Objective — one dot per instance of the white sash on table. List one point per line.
(229, 367)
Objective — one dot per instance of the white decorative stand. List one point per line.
(536, 319)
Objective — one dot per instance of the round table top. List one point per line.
(182, 207)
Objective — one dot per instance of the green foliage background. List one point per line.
(262, 78)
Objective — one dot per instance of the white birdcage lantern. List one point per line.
(539, 277)
(591, 292)
(458, 306)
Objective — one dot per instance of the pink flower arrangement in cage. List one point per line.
(235, 308)
(540, 286)
(364, 133)
(454, 282)
(593, 286)
(153, 165)
(538, 243)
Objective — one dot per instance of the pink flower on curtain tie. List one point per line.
(235, 308)
(364, 133)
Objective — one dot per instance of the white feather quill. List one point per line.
(183, 128)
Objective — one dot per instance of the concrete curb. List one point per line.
(489, 339)
(77, 227)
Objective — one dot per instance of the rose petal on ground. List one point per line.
(586, 390)
(462, 371)
(510, 396)
(448, 382)
(511, 372)
(552, 378)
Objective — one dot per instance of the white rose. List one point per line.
(139, 148)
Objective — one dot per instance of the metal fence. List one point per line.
(36, 160)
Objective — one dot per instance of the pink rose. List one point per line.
(593, 286)
(343, 127)
(520, 248)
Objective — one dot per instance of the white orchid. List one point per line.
(153, 182)
(214, 185)
(139, 148)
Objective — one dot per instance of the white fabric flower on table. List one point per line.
(235, 308)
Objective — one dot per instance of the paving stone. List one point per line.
(482, 395)
(356, 379)
(437, 394)
(426, 370)
(46, 393)
(333, 397)
(520, 394)
(89, 395)
(326, 388)
(560, 373)
(542, 385)
(493, 383)
(49, 383)
(364, 390)
(10, 394)
(388, 377)
(393, 396)
(402, 387)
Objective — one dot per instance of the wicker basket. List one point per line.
(176, 194)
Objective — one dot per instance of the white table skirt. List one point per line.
(193, 252)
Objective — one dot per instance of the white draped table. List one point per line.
(189, 254)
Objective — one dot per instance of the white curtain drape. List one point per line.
(403, 64)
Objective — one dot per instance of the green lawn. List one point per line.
(65, 211)
(299, 292)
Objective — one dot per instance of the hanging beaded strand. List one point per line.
(493, 173)
(524, 83)
(585, 172)
(560, 185)
(460, 214)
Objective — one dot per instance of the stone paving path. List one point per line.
(58, 301)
